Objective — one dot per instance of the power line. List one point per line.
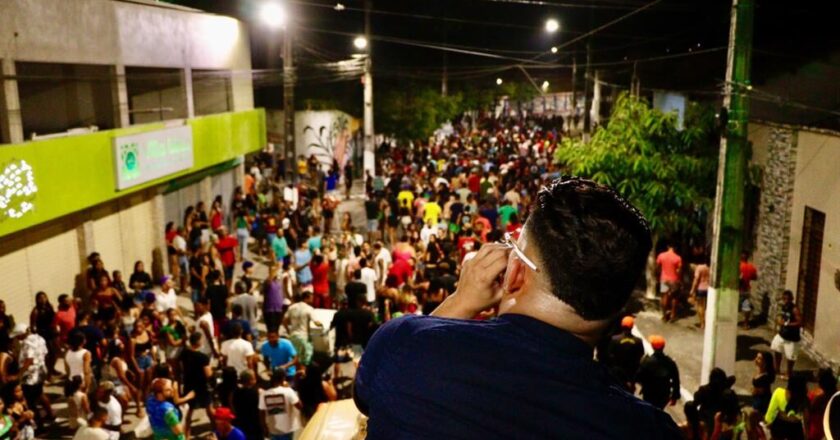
(610, 23)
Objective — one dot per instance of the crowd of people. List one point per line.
(213, 336)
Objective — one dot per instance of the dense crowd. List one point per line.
(213, 336)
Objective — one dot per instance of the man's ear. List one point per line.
(515, 276)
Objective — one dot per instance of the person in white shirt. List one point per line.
(204, 325)
(381, 262)
(237, 352)
(369, 280)
(167, 298)
(428, 230)
(290, 195)
(280, 408)
(296, 321)
(94, 430)
(107, 401)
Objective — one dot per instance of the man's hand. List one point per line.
(478, 287)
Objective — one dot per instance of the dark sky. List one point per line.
(787, 34)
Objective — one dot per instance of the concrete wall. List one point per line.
(120, 33)
(800, 169)
(818, 186)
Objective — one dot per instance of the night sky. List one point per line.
(787, 35)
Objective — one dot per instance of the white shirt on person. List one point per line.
(369, 280)
(237, 352)
(299, 315)
(91, 433)
(281, 415)
(115, 411)
(166, 300)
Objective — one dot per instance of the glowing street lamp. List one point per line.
(545, 86)
(553, 49)
(273, 15)
(498, 81)
(360, 43)
(552, 25)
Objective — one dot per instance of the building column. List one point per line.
(119, 96)
(11, 123)
(205, 191)
(187, 87)
(87, 245)
(160, 258)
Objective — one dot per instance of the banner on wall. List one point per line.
(141, 158)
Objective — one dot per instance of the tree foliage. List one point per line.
(413, 113)
(667, 173)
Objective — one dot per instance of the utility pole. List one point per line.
(573, 116)
(289, 102)
(444, 82)
(587, 100)
(722, 312)
(369, 158)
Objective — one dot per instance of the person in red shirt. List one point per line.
(474, 182)
(402, 270)
(227, 246)
(669, 264)
(748, 275)
(320, 283)
(65, 317)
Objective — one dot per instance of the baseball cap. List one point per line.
(223, 413)
(247, 264)
(657, 342)
(628, 322)
(164, 279)
(107, 385)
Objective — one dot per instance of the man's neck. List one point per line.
(556, 313)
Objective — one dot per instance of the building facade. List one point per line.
(797, 233)
(114, 117)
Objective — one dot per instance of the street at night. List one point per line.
(438, 219)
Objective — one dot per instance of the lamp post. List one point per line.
(274, 16)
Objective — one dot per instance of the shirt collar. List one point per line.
(566, 342)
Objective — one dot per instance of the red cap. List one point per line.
(628, 322)
(657, 342)
(223, 413)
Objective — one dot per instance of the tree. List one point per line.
(414, 112)
(666, 173)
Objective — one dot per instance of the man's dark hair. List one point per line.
(592, 244)
(235, 330)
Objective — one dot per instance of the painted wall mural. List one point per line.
(329, 135)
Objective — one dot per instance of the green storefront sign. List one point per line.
(71, 174)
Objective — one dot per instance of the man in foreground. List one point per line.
(528, 373)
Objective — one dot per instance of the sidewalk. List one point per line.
(685, 345)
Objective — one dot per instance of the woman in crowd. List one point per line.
(106, 299)
(42, 319)
(819, 397)
(762, 381)
(141, 348)
(140, 280)
(117, 371)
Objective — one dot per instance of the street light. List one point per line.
(360, 43)
(553, 49)
(498, 81)
(273, 15)
(545, 86)
(552, 25)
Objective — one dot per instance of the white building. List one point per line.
(116, 69)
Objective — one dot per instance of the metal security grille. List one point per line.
(810, 256)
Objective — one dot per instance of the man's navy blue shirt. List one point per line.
(511, 377)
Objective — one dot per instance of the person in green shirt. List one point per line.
(163, 416)
(786, 415)
(280, 247)
(505, 211)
